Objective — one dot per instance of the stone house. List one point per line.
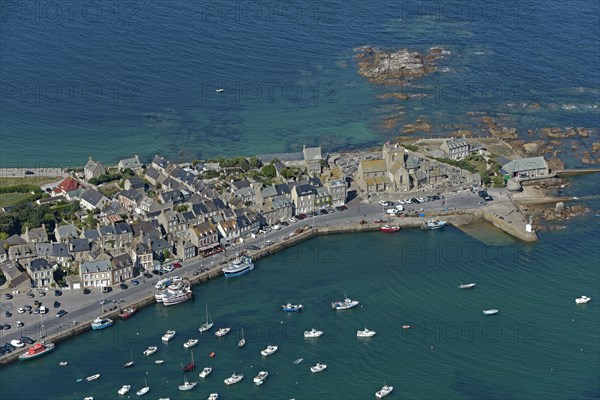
(65, 232)
(35, 235)
(277, 209)
(526, 168)
(93, 199)
(456, 148)
(93, 169)
(41, 272)
(337, 190)
(205, 236)
(229, 231)
(121, 268)
(129, 199)
(22, 253)
(372, 176)
(141, 256)
(303, 197)
(312, 159)
(67, 185)
(132, 163)
(135, 183)
(96, 273)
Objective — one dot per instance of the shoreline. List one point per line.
(455, 218)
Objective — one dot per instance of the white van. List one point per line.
(43, 310)
(399, 208)
(163, 283)
(391, 211)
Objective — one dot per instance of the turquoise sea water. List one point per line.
(540, 346)
(131, 77)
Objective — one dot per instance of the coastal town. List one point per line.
(108, 234)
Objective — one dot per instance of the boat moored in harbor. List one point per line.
(389, 229)
(170, 334)
(240, 266)
(365, 333)
(187, 385)
(345, 304)
(222, 332)
(208, 324)
(432, 224)
(269, 350)
(385, 390)
(124, 390)
(101, 323)
(205, 372)
(177, 292)
(318, 368)
(190, 343)
(92, 377)
(150, 350)
(259, 379)
(127, 312)
(582, 300)
(233, 379)
(466, 285)
(313, 333)
(490, 312)
(36, 351)
(289, 307)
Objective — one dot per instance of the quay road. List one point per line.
(84, 308)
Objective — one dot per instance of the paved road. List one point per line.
(82, 307)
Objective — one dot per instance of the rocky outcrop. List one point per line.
(394, 67)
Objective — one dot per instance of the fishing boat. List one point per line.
(177, 292)
(222, 332)
(205, 372)
(190, 343)
(92, 377)
(258, 379)
(213, 396)
(389, 229)
(344, 304)
(318, 368)
(129, 363)
(385, 390)
(37, 350)
(240, 266)
(365, 333)
(269, 350)
(127, 312)
(242, 341)
(170, 334)
(490, 312)
(150, 350)
(313, 333)
(289, 307)
(583, 300)
(208, 324)
(191, 365)
(298, 361)
(432, 224)
(101, 323)
(187, 385)
(143, 390)
(466, 285)
(124, 390)
(233, 379)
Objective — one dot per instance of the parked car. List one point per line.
(482, 193)
(20, 324)
(148, 275)
(26, 339)
(301, 216)
(41, 293)
(7, 314)
(293, 219)
(341, 208)
(6, 326)
(383, 203)
(86, 291)
(284, 223)
(8, 296)
(21, 310)
(135, 282)
(57, 293)
(269, 242)
(488, 198)
(123, 286)
(276, 227)
(57, 304)
(61, 313)
(323, 212)
(30, 295)
(104, 301)
(28, 172)
(176, 265)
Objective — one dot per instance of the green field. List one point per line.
(9, 199)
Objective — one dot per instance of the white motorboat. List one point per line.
(298, 361)
(208, 324)
(220, 90)
(205, 372)
(432, 224)
(187, 385)
(92, 377)
(269, 350)
(143, 390)
(490, 312)
(190, 343)
(213, 396)
(89, 398)
(233, 379)
(318, 368)
(344, 304)
(365, 333)
(63, 363)
(222, 332)
(313, 333)
(385, 390)
(168, 335)
(159, 362)
(150, 350)
(124, 390)
(583, 300)
(259, 379)
(466, 285)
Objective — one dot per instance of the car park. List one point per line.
(61, 313)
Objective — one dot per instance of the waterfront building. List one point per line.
(456, 148)
(132, 163)
(41, 272)
(312, 159)
(93, 199)
(141, 256)
(93, 169)
(96, 273)
(303, 197)
(526, 168)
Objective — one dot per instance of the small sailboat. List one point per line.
(242, 341)
(191, 365)
(130, 362)
(208, 324)
(187, 385)
(143, 390)
(220, 90)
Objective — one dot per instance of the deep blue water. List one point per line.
(128, 77)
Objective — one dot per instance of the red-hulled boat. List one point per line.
(389, 229)
(191, 365)
(37, 350)
(127, 312)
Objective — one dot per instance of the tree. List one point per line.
(255, 162)
(269, 171)
(3, 235)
